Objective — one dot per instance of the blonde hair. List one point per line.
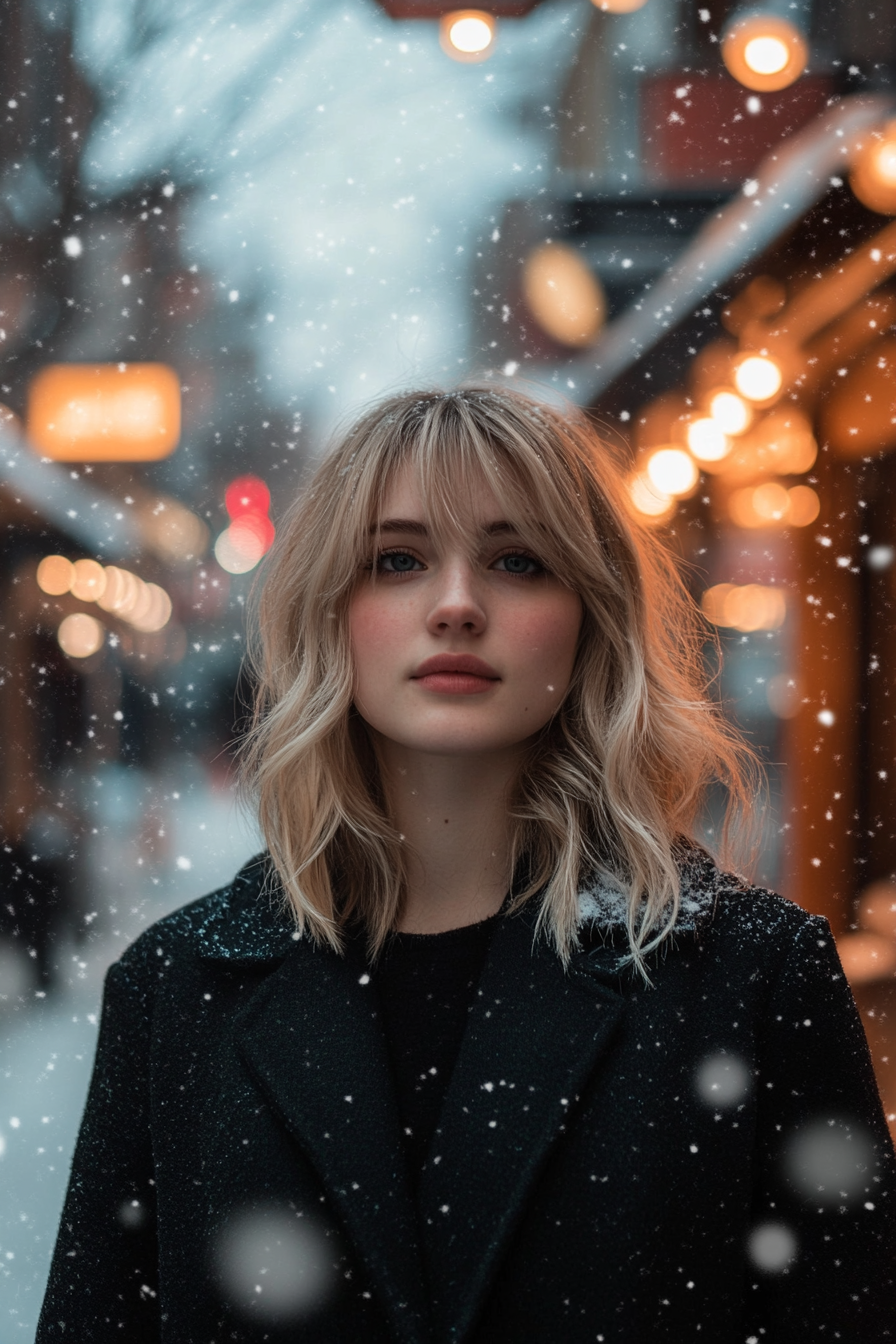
(618, 779)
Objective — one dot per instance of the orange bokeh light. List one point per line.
(764, 53)
(104, 412)
(873, 177)
(468, 34)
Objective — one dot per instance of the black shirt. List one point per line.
(426, 983)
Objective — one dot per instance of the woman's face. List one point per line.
(458, 653)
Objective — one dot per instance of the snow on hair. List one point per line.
(617, 781)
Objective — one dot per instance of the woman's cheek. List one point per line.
(373, 626)
(550, 636)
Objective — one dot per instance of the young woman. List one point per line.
(484, 1048)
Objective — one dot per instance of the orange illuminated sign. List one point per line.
(104, 412)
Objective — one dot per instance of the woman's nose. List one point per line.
(457, 604)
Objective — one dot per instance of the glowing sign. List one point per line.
(104, 412)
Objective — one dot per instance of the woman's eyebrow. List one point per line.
(419, 529)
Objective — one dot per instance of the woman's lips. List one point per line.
(456, 674)
(456, 683)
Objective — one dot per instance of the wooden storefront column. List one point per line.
(823, 740)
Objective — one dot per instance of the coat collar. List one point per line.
(249, 921)
(535, 1035)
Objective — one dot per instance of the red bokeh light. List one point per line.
(248, 495)
(251, 530)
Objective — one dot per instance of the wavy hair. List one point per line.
(616, 782)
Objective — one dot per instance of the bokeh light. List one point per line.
(247, 494)
(764, 53)
(153, 611)
(104, 412)
(563, 294)
(468, 34)
(880, 558)
(723, 1081)
(649, 501)
(619, 6)
(831, 1161)
(80, 635)
(804, 506)
(175, 533)
(731, 413)
(672, 471)
(241, 545)
(772, 505)
(121, 592)
(877, 908)
(786, 441)
(758, 378)
(707, 440)
(866, 956)
(55, 575)
(145, 606)
(747, 607)
(274, 1264)
(873, 177)
(89, 581)
(772, 1247)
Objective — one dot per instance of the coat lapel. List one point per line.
(534, 1037)
(313, 1042)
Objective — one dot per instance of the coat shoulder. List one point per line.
(710, 898)
(734, 909)
(245, 920)
(758, 915)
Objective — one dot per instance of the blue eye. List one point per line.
(397, 562)
(521, 565)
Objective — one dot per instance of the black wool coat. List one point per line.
(704, 1159)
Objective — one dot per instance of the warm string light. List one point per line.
(564, 296)
(873, 177)
(773, 505)
(707, 440)
(731, 412)
(468, 34)
(672, 471)
(764, 53)
(745, 607)
(80, 635)
(648, 501)
(144, 606)
(758, 377)
(728, 441)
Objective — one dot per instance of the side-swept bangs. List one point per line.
(617, 780)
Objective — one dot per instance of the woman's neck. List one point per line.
(452, 814)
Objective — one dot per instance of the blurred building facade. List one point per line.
(640, 217)
(756, 403)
